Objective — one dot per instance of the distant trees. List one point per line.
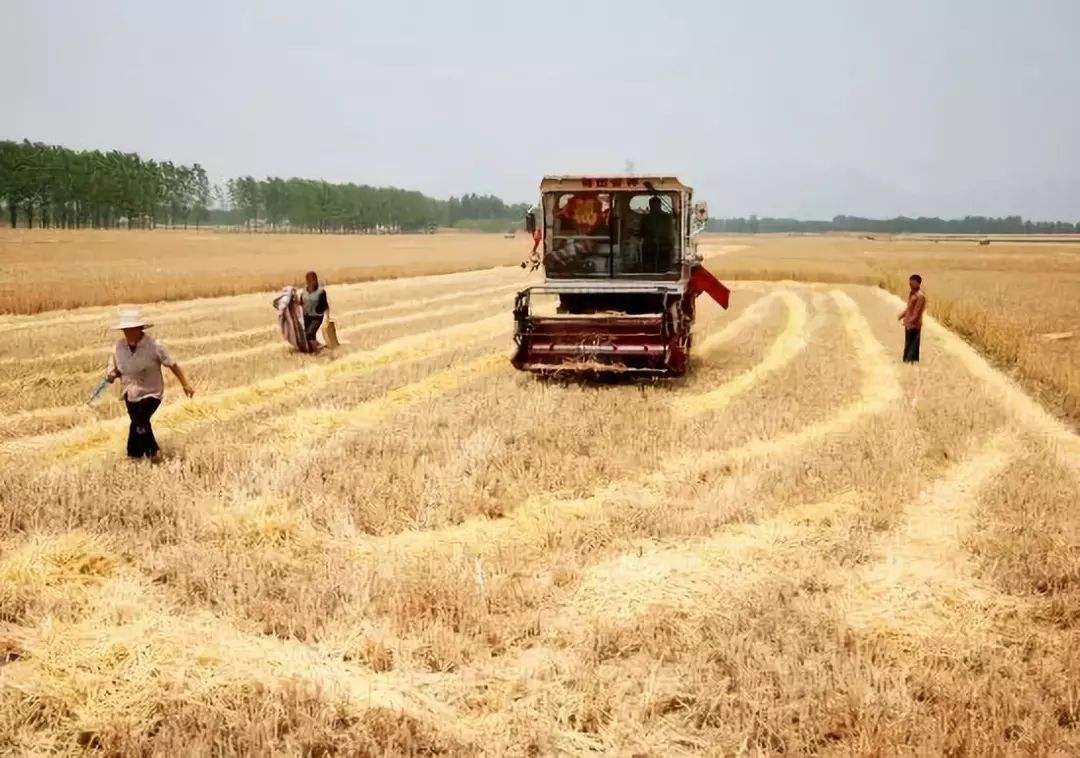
(312, 205)
(245, 196)
(898, 225)
(475, 207)
(54, 186)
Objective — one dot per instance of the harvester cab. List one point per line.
(621, 276)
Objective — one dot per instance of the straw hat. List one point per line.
(131, 319)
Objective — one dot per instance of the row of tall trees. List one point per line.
(54, 186)
(898, 225)
(311, 205)
(473, 207)
(965, 225)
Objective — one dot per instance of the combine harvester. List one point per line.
(621, 274)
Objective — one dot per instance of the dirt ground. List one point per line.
(404, 545)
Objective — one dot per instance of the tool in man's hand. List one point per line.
(98, 392)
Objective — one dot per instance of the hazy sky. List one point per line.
(805, 109)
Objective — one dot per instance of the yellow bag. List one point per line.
(330, 334)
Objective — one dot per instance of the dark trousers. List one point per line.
(141, 442)
(912, 338)
(311, 327)
(655, 257)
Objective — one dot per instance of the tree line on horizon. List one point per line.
(312, 205)
(897, 225)
(53, 186)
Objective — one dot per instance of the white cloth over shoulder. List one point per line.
(291, 319)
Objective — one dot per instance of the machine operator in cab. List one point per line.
(656, 238)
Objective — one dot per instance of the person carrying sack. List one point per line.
(136, 361)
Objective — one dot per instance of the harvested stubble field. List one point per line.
(1017, 299)
(405, 546)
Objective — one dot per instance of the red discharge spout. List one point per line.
(702, 281)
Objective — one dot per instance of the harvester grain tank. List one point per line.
(621, 276)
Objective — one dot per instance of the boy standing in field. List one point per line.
(911, 317)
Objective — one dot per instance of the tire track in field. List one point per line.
(298, 431)
(53, 379)
(271, 329)
(918, 587)
(80, 412)
(924, 582)
(294, 438)
(681, 576)
(683, 582)
(921, 563)
(9, 422)
(755, 313)
(409, 318)
(1058, 437)
(530, 524)
(117, 668)
(781, 352)
(230, 303)
(187, 415)
(921, 587)
(301, 428)
(626, 586)
(879, 388)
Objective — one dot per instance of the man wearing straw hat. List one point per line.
(137, 360)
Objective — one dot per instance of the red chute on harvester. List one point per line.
(703, 281)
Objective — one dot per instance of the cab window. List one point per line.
(648, 234)
(581, 224)
(612, 234)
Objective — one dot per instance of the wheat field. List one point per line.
(404, 546)
(48, 269)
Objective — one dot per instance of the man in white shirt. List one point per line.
(136, 361)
